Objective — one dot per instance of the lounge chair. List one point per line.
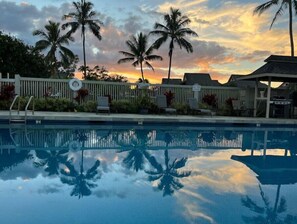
(193, 104)
(103, 104)
(162, 104)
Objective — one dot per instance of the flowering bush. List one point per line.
(7, 92)
(169, 97)
(81, 94)
(210, 99)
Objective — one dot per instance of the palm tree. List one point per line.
(284, 4)
(83, 17)
(175, 29)
(169, 177)
(54, 41)
(139, 53)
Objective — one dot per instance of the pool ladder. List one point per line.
(19, 118)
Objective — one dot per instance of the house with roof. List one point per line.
(234, 82)
(171, 81)
(203, 79)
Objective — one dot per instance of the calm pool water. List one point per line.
(147, 174)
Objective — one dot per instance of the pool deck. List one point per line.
(142, 119)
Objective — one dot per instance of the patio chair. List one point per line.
(103, 104)
(162, 104)
(193, 104)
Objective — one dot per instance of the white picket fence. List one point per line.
(37, 87)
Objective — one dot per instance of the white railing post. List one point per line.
(17, 84)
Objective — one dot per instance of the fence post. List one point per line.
(17, 84)
(196, 89)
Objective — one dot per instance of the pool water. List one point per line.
(147, 174)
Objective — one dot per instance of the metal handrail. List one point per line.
(12, 104)
(27, 106)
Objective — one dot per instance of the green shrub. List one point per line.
(5, 104)
(123, 106)
(89, 106)
(54, 104)
(181, 108)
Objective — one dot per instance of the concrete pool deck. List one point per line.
(139, 118)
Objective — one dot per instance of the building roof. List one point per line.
(203, 79)
(278, 68)
(172, 81)
(234, 82)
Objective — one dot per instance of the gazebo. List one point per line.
(277, 69)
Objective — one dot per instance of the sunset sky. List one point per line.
(231, 39)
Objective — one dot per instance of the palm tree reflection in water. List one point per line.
(169, 176)
(268, 214)
(136, 149)
(82, 180)
(51, 160)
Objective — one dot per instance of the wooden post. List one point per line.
(17, 84)
(268, 98)
(255, 98)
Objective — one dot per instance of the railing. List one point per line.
(37, 87)
(31, 99)
(12, 104)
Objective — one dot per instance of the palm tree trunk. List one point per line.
(276, 199)
(170, 60)
(82, 162)
(141, 69)
(84, 50)
(291, 28)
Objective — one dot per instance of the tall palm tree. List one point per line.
(283, 4)
(139, 53)
(174, 29)
(54, 41)
(83, 17)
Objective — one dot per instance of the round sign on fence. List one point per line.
(75, 84)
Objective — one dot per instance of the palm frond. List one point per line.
(278, 13)
(265, 6)
(124, 60)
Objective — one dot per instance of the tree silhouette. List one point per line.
(284, 4)
(169, 176)
(54, 41)
(11, 158)
(82, 181)
(268, 214)
(174, 29)
(137, 153)
(139, 52)
(83, 17)
(51, 160)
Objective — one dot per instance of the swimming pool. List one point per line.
(147, 174)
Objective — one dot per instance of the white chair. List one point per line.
(162, 104)
(103, 104)
(193, 104)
